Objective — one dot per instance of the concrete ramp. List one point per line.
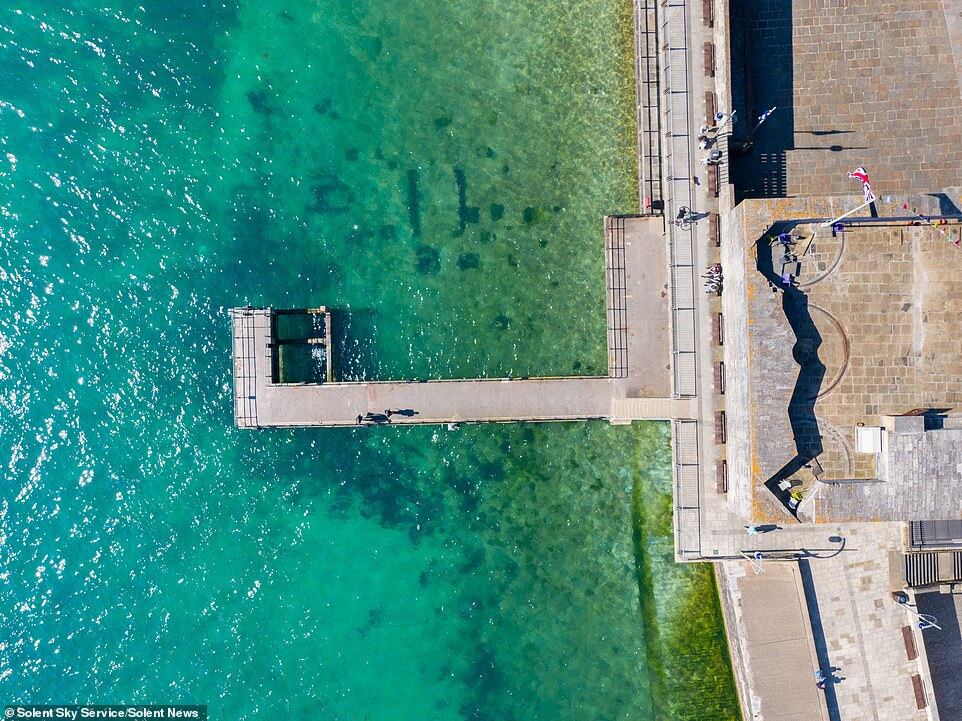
(775, 637)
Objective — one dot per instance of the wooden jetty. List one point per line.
(637, 386)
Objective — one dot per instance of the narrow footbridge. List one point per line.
(637, 386)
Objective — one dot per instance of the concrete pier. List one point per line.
(637, 387)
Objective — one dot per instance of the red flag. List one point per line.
(861, 174)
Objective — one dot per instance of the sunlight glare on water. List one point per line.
(437, 174)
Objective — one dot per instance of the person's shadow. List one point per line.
(832, 677)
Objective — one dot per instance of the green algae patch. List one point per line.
(687, 651)
(698, 679)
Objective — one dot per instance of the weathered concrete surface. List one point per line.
(646, 304)
(736, 355)
(920, 477)
(882, 319)
(855, 625)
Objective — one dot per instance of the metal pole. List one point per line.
(755, 560)
(925, 620)
(845, 215)
(761, 119)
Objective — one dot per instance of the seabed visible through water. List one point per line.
(437, 173)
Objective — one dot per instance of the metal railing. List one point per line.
(679, 194)
(648, 106)
(616, 292)
(245, 368)
(687, 491)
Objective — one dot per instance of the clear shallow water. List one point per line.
(435, 172)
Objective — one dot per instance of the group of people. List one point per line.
(787, 241)
(709, 134)
(713, 279)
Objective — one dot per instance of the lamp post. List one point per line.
(925, 620)
(761, 119)
(749, 143)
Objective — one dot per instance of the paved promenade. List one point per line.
(776, 644)
(861, 628)
(853, 624)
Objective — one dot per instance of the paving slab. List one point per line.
(776, 642)
(861, 82)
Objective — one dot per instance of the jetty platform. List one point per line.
(638, 385)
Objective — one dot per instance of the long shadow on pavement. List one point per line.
(818, 634)
(943, 647)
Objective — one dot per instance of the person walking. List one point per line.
(713, 158)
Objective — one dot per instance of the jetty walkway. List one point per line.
(637, 387)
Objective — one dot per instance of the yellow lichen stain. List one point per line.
(756, 472)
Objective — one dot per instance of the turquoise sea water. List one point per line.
(435, 172)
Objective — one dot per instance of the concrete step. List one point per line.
(626, 410)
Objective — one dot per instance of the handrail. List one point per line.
(648, 106)
(679, 194)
